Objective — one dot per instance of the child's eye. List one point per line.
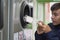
(55, 14)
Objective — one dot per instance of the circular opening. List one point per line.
(23, 12)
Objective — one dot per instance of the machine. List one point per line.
(22, 9)
(12, 13)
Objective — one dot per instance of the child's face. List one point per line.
(56, 17)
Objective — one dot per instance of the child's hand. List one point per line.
(42, 28)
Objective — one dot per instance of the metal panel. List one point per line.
(0, 35)
(5, 17)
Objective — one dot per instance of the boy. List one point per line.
(52, 30)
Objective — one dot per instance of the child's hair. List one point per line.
(55, 6)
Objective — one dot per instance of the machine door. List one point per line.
(25, 9)
(1, 14)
